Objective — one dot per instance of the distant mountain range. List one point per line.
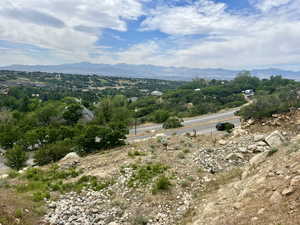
(149, 71)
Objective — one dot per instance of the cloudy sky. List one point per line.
(235, 34)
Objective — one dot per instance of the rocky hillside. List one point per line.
(251, 176)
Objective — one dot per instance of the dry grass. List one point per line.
(16, 209)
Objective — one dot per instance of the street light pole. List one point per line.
(135, 120)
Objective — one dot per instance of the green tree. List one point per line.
(16, 158)
(72, 113)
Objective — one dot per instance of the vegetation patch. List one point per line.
(41, 183)
(144, 174)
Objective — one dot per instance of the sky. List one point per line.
(230, 34)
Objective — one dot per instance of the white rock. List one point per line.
(295, 181)
(275, 139)
(288, 191)
(258, 159)
(4, 176)
(276, 197)
(71, 156)
(222, 142)
(258, 137)
(234, 156)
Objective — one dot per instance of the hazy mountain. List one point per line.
(148, 71)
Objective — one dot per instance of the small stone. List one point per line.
(254, 219)
(261, 143)
(234, 156)
(288, 191)
(295, 181)
(222, 142)
(261, 211)
(276, 197)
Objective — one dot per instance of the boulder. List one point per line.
(276, 197)
(71, 156)
(258, 137)
(222, 142)
(275, 139)
(70, 160)
(258, 159)
(234, 156)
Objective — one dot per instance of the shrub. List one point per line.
(140, 220)
(172, 122)
(272, 151)
(162, 184)
(52, 152)
(16, 158)
(160, 116)
(143, 174)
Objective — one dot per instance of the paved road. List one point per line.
(202, 124)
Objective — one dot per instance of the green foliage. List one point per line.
(162, 184)
(52, 152)
(40, 196)
(135, 153)
(267, 105)
(140, 220)
(95, 137)
(42, 182)
(16, 158)
(172, 122)
(13, 174)
(143, 174)
(72, 113)
(160, 116)
(272, 151)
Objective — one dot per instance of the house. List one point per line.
(133, 99)
(248, 93)
(156, 93)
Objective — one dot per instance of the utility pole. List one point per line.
(135, 111)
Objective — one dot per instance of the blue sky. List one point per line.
(232, 34)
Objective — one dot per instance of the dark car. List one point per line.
(224, 126)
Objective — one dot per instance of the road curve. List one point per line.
(202, 124)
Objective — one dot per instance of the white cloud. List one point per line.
(266, 5)
(203, 33)
(202, 17)
(52, 23)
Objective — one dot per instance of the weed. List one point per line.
(272, 151)
(140, 220)
(40, 196)
(135, 153)
(19, 213)
(162, 184)
(143, 174)
(13, 174)
(186, 151)
(181, 155)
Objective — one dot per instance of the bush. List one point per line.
(162, 184)
(52, 152)
(143, 174)
(160, 116)
(16, 158)
(267, 105)
(172, 122)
